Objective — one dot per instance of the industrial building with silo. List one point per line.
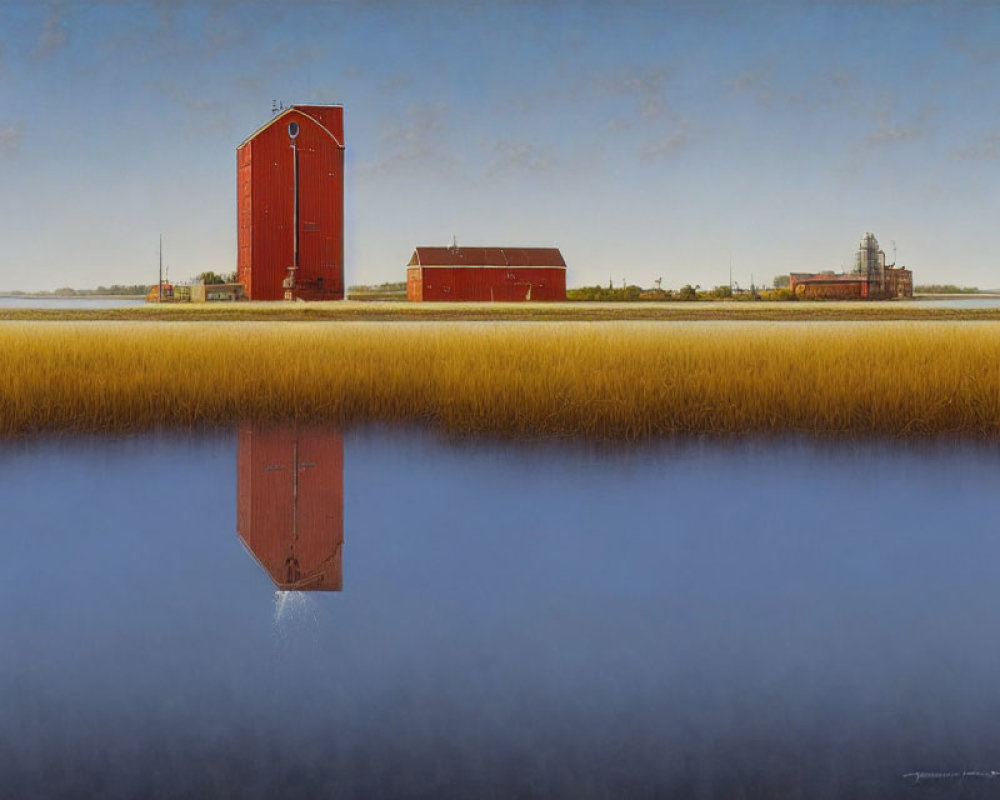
(872, 278)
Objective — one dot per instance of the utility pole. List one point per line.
(159, 286)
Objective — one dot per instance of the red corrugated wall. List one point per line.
(832, 290)
(265, 206)
(489, 284)
(296, 532)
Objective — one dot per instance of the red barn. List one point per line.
(486, 273)
(290, 504)
(290, 206)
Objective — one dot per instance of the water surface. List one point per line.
(96, 303)
(691, 619)
(965, 301)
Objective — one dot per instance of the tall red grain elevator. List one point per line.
(290, 504)
(290, 206)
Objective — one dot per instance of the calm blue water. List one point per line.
(962, 302)
(69, 302)
(695, 619)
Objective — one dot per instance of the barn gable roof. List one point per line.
(304, 110)
(487, 257)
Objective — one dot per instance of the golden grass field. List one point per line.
(607, 380)
(351, 311)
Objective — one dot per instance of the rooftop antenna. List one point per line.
(454, 244)
(274, 107)
(894, 252)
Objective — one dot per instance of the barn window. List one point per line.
(293, 130)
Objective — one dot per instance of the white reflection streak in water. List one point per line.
(919, 777)
(290, 606)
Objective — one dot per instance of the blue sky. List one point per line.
(644, 139)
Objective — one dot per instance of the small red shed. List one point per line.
(486, 273)
(290, 206)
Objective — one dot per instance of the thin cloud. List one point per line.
(667, 145)
(10, 140)
(888, 133)
(622, 99)
(212, 111)
(521, 157)
(414, 139)
(647, 87)
(891, 131)
(979, 54)
(756, 83)
(216, 31)
(53, 34)
(986, 148)
(832, 88)
(400, 82)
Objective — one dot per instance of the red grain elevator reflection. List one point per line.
(290, 504)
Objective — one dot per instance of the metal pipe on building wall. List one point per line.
(295, 210)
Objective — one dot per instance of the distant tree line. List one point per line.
(604, 293)
(66, 291)
(119, 289)
(687, 293)
(379, 288)
(945, 288)
(211, 277)
(393, 290)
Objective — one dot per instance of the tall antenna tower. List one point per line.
(159, 286)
